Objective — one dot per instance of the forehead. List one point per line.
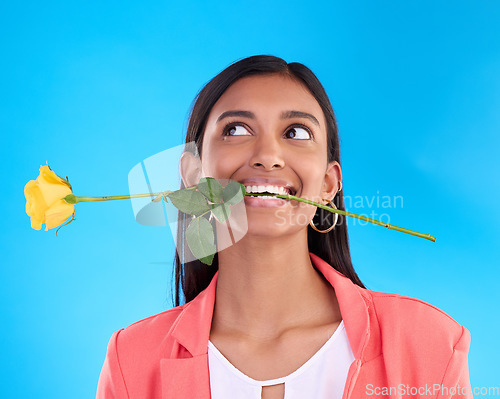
(268, 92)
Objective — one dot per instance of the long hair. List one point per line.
(193, 277)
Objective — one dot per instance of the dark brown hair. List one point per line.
(333, 247)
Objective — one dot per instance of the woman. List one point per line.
(281, 313)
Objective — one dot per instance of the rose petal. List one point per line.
(52, 187)
(57, 214)
(50, 176)
(35, 204)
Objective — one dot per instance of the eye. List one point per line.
(300, 133)
(235, 130)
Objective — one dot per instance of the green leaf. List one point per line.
(221, 211)
(200, 239)
(211, 189)
(234, 192)
(189, 201)
(207, 260)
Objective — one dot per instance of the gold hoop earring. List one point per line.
(329, 228)
(340, 184)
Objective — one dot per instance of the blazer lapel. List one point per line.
(185, 373)
(354, 311)
(352, 305)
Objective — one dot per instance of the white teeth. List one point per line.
(270, 189)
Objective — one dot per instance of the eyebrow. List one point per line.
(284, 115)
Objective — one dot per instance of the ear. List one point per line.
(190, 166)
(333, 177)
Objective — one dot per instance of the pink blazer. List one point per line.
(403, 347)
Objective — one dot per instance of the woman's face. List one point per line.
(268, 130)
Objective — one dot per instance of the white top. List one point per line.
(322, 376)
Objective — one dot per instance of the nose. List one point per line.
(267, 153)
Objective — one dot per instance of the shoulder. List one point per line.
(149, 332)
(134, 354)
(410, 320)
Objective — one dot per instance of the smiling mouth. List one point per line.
(268, 189)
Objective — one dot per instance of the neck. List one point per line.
(267, 286)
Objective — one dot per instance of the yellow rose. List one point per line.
(44, 199)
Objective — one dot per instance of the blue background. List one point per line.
(96, 87)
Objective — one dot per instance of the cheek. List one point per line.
(312, 174)
(220, 164)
